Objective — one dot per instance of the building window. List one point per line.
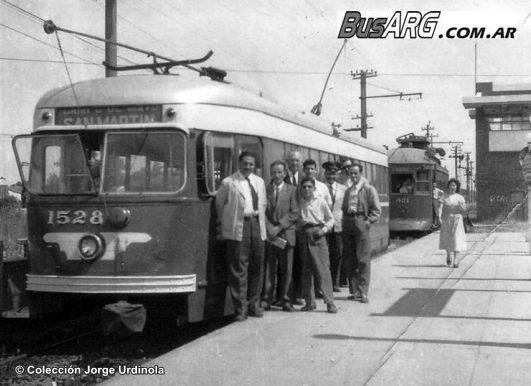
(509, 122)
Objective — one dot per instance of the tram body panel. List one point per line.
(168, 245)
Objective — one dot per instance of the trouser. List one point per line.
(297, 271)
(357, 253)
(436, 215)
(245, 259)
(315, 261)
(279, 266)
(335, 250)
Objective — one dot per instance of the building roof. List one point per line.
(491, 100)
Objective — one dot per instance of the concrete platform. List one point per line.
(426, 324)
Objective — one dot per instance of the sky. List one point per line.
(285, 49)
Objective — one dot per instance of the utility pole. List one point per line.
(428, 128)
(362, 75)
(110, 35)
(457, 156)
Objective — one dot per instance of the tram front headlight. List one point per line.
(91, 247)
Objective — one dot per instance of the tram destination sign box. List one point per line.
(108, 115)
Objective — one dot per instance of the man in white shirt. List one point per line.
(240, 204)
(309, 168)
(334, 237)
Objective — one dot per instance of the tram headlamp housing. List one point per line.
(91, 247)
(46, 116)
(170, 113)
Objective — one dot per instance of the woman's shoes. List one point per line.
(449, 262)
(456, 265)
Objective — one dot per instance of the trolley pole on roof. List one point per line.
(110, 36)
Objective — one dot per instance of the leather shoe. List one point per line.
(319, 294)
(336, 289)
(277, 303)
(240, 317)
(256, 312)
(298, 302)
(331, 308)
(357, 296)
(363, 299)
(309, 307)
(288, 307)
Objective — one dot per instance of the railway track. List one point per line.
(80, 344)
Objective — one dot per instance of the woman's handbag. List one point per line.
(469, 226)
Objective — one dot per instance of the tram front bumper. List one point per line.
(112, 284)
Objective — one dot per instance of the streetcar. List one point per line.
(121, 175)
(413, 168)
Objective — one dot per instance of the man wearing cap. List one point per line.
(361, 209)
(240, 205)
(334, 238)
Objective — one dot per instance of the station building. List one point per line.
(502, 115)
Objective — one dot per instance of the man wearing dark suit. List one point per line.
(281, 216)
(293, 172)
(293, 177)
(361, 208)
(334, 237)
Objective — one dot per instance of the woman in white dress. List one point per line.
(452, 237)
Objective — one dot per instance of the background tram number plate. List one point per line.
(402, 200)
(74, 217)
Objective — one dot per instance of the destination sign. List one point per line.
(115, 115)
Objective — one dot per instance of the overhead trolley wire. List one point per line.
(36, 18)
(45, 43)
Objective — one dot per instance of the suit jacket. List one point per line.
(285, 213)
(337, 206)
(230, 203)
(368, 201)
(289, 176)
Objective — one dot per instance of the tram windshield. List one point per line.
(144, 162)
(135, 162)
(54, 164)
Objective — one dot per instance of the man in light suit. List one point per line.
(281, 218)
(240, 205)
(361, 209)
(334, 237)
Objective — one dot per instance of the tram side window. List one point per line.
(402, 183)
(219, 149)
(423, 181)
(144, 162)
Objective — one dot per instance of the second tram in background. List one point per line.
(413, 168)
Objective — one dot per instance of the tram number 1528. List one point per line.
(63, 217)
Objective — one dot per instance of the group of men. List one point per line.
(301, 228)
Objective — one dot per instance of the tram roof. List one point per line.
(172, 89)
(408, 155)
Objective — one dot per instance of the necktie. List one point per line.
(276, 195)
(294, 182)
(331, 190)
(253, 194)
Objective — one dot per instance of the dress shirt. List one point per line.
(248, 209)
(276, 192)
(332, 189)
(321, 190)
(316, 212)
(353, 197)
